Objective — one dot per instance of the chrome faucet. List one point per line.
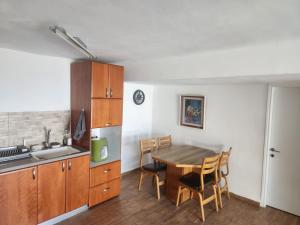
(47, 137)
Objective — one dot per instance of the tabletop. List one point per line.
(182, 155)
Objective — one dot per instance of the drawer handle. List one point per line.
(106, 171)
(106, 189)
(107, 124)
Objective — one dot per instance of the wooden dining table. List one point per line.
(180, 160)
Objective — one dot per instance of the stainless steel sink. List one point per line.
(54, 153)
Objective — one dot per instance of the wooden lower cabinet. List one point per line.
(104, 192)
(51, 190)
(77, 186)
(18, 197)
(104, 182)
(62, 187)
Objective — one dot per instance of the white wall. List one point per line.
(271, 59)
(235, 116)
(137, 124)
(31, 82)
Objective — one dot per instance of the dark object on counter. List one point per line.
(13, 153)
(80, 128)
(55, 145)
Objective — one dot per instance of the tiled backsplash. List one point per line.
(16, 126)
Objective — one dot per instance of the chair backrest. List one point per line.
(164, 142)
(224, 162)
(147, 146)
(209, 166)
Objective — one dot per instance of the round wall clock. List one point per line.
(138, 97)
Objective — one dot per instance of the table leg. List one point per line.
(172, 182)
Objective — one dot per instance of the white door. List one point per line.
(284, 154)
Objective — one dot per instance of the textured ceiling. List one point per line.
(117, 30)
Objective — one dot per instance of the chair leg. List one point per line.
(157, 187)
(201, 207)
(227, 189)
(141, 180)
(220, 197)
(178, 195)
(216, 198)
(191, 194)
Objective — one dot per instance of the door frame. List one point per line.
(266, 158)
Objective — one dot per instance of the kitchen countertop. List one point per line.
(30, 162)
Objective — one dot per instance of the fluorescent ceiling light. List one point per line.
(74, 41)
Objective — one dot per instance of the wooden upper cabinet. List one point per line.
(100, 113)
(116, 81)
(18, 197)
(100, 80)
(51, 190)
(77, 185)
(115, 112)
(106, 112)
(107, 81)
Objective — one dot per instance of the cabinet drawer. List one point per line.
(104, 192)
(104, 173)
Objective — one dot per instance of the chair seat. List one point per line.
(193, 180)
(155, 167)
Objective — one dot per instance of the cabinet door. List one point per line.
(77, 185)
(115, 112)
(100, 80)
(100, 113)
(51, 190)
(116, 80)
(18, 197)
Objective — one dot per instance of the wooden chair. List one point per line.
(223, 162)
(164, 142)
(147, 146)
(196, 183)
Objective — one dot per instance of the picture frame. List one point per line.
(192, 111)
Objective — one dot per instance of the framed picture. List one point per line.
(192, 111)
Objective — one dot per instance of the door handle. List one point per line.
(274, 150)
(63, 166)
(110, 92)
(69, 165)
(33, 173)
(106, 92)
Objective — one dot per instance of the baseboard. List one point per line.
(249, 201)
(65, 216)
(130, 172)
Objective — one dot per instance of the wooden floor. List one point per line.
(133, 207)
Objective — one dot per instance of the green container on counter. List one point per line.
(99, 149)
